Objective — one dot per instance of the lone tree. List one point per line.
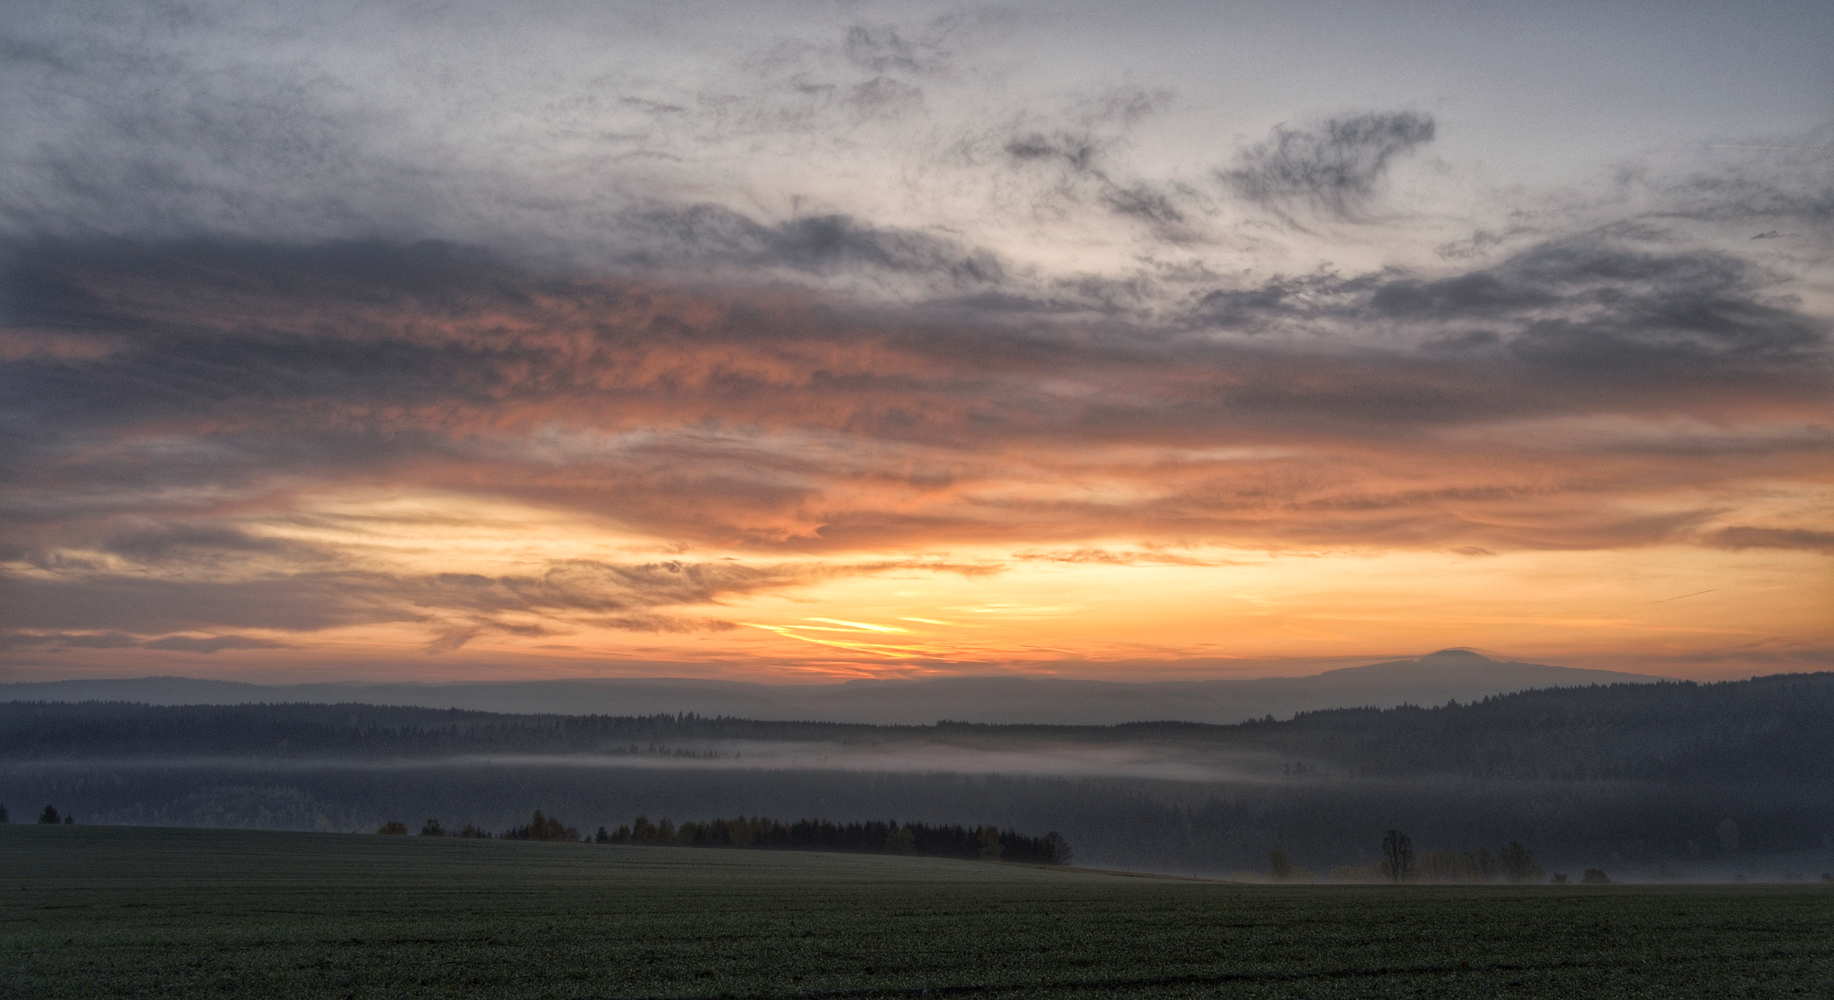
(49, 816)
(1059, 848)
(1397, 856)
(432, 829)
(3, 816)
(990, 844)
(1277, 866)
(1519, 864)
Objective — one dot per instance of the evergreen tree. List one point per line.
(49, 816)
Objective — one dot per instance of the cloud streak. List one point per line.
(1335, 166)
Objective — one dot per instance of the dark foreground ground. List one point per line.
(121, 911)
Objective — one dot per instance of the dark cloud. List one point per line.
(1741, 537)
(1076, 153)
(138, 137)
(452, 607)
(71, 640)
(158, 391)
(1598, 307)
(211, 644)
(712, 235)
(117, 640)
(884, 48)
(883, 95)
(1336, 166)
(158, 544)
(1080, 155)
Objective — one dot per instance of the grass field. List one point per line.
(120, 911)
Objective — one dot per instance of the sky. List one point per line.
(811, 341)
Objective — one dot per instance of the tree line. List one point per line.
(1514, 864)
(985, 843)
(49, 816)
(1768, 730)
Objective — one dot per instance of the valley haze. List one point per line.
(1453, 674)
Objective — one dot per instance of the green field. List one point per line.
(119, 911)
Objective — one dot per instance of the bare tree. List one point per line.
(1519, 863)
(1397, 856)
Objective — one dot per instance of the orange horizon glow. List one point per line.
(1108, 609)
(409, 461)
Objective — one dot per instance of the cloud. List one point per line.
(1336, 166)
(70, 640)
(710, 234)
(452, 607)
(810, 305)
(211, 644)
(1742, 537)
(1601, 306)
(780, 421)
(117, 640)
(1109, 557)
(884, 48)
(1081, 146)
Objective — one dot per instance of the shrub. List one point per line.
(1595, 876)
(394, 828)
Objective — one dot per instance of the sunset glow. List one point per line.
(791, 354)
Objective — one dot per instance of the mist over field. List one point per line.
(1660, 781)
(1042, 498)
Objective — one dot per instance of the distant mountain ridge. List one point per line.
(1452, 674)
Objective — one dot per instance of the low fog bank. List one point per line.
(1141, 761)
(1633, 831)
(1429, 680)
(1763, 730)
(1655, 781)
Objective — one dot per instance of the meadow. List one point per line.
(145, 912)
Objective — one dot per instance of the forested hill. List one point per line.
(1767, 729)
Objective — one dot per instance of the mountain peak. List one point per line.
(1455, 655)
